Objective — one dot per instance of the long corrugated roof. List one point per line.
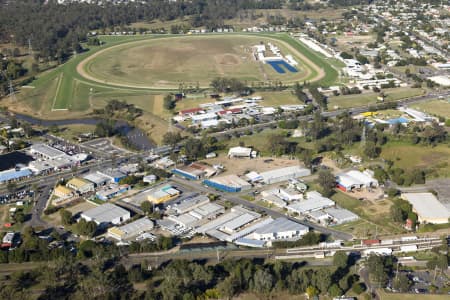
(427, 205)
(281, 225)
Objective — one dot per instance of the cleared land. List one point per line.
(394, 94)
(408, 157)
(167, 62)
(440, 108)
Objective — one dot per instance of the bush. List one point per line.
(359, 288)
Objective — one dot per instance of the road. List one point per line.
(255, 206)
(330, 114)
(364, 274)
(39, 206)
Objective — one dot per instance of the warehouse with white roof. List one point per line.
(284, 174)
(131, 230)
(106, 214)
(428, 208)
(355, 180)
(314, 201)
(280, 229)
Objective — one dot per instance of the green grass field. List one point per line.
(167, 62)
(409, 157)
(440, 108)
(347, 101)
(398, 296)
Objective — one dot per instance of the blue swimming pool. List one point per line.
(280, 65)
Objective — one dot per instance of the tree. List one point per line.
(169, 102)
(53, 128)
(401, 283)
(194, 148)
(228, 287)
(371, 150)
(147, 207)
(171, 138)
(19, 216)
(312, 291)
(263, 281)
(327, 182)
(11, 187)
(66, 216)
(335, 291)
(340, 259)
(358, 288)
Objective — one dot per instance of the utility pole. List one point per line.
(30, 48)
(12, 95)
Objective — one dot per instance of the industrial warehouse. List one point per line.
(106, 214)
(428, 208)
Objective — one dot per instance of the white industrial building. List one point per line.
(234, 224)
(340, 215)
(190, 204)
(131, 230)
(106, 214)
(284, 174)
(356, 180)
(280, 229)
(314, 201)
(46, 151)
(241, 152)
(428, 208)
(273, 200)
(97, 179)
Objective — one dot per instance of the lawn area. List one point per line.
(259, 141)
(191, 60)
(398, 296)
(347, 101)
(375, 216)
(278, 98)
(440, 108)
(408, 157)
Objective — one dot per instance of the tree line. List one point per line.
(56, 31)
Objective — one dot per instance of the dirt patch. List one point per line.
(371, 195)
(241, 166)
(83, 206)
(227, 59)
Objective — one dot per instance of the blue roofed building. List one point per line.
(14, 174)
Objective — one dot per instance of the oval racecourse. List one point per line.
(167, 62)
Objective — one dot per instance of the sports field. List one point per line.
(164, 63)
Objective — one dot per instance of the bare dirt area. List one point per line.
(241, 166)
(371, 195)
(83, 206)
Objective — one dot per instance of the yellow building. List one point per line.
(62, 192)
(80, 185)
(163, 195)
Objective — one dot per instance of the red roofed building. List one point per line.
(230, 111)
(191, 111)
(370, 242)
